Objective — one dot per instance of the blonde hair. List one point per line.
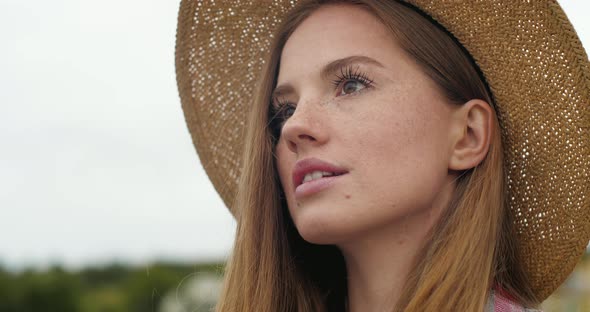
(468, 252)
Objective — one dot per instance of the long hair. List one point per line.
(470, 250)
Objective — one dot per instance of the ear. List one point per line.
(472, 134)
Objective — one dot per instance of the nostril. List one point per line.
(292, 146)
(301, 138)
(306, 137)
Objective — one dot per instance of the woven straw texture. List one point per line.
(530, 56)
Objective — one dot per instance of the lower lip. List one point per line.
(314, 186)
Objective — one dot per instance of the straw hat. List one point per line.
(530, 56)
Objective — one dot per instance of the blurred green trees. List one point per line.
(113, 288)
(169, 287)
(53, 290)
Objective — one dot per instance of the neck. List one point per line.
(378, 262)
(377, 268)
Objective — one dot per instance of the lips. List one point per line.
(310, 165)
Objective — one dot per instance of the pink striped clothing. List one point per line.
(500, 303)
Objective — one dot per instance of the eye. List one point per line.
(351, 80)
(286, 111)
(280, 112)
(351, 86)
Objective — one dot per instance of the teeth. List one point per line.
(316, 175)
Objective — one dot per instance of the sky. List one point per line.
(96, 162)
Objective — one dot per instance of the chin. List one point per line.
(322, 230)
(314, 236)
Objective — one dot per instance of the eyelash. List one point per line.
(347, 73)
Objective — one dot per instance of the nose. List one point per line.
(305, 128)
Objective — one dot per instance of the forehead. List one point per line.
(333, 32)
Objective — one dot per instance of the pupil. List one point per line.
(349, 87)
(289, 111)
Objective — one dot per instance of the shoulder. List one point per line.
(499, 303)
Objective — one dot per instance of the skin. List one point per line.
(400, 140)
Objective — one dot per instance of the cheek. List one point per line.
(407, 124)
(389, 131)
(405, 146)
(284, 162)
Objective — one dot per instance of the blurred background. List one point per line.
(104, 204)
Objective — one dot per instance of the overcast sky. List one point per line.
(96, 162)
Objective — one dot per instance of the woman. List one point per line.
(379, 172)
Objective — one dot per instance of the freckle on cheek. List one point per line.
(347, 196)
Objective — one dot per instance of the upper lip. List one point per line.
(310, 165)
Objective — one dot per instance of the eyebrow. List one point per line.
(328, 70)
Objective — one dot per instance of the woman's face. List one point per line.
(368, 116)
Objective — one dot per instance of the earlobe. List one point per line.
(471, 141)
